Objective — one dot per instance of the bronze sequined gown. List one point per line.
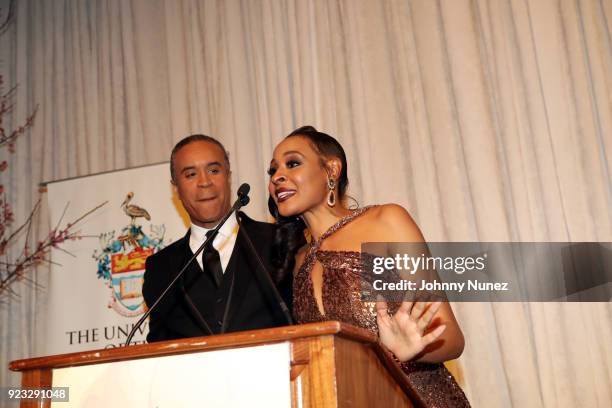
(342, 273)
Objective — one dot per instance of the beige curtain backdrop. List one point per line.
(488, 120)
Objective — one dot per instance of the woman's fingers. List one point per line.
(420, 313)
(382, 313)
(428, 316)
(417, 310)
(404, 332)
(382, 308)
(405, 307)
(433, 336)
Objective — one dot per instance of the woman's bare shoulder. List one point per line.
(389, 214)
(394, 222)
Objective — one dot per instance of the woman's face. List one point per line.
(298, 181)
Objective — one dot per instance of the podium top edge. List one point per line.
(197, 344)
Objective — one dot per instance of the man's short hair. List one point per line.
(196, 138)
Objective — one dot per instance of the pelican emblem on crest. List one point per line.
(134, 211)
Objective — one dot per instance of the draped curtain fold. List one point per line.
(488, 120)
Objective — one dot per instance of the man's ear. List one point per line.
(174, 188)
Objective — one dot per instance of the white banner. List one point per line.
(95, 291)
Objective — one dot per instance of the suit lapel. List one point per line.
(186, 256)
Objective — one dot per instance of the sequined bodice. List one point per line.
(342, 280)
(341, 284)
(341, 290)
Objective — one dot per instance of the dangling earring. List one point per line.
(331, 197)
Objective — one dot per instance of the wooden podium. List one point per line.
(328, 364)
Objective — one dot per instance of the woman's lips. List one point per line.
(284, 195)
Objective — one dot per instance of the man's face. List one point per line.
(202, 182)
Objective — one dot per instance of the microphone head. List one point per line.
(243, 190)
(243, 194)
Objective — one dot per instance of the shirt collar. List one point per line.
(199, 233)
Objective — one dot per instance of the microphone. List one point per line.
(243, 193)
(242, 200)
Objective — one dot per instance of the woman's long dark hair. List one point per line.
(290, 233)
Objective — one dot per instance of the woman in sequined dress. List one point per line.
(308, 182)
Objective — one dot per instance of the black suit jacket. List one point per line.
(252, 304)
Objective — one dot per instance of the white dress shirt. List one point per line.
(224, 241)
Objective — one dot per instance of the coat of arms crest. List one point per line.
(121, 260)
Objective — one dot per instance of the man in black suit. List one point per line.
(220, 293)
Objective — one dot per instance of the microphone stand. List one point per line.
(243, 199)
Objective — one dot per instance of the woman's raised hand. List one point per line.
(404, 332)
